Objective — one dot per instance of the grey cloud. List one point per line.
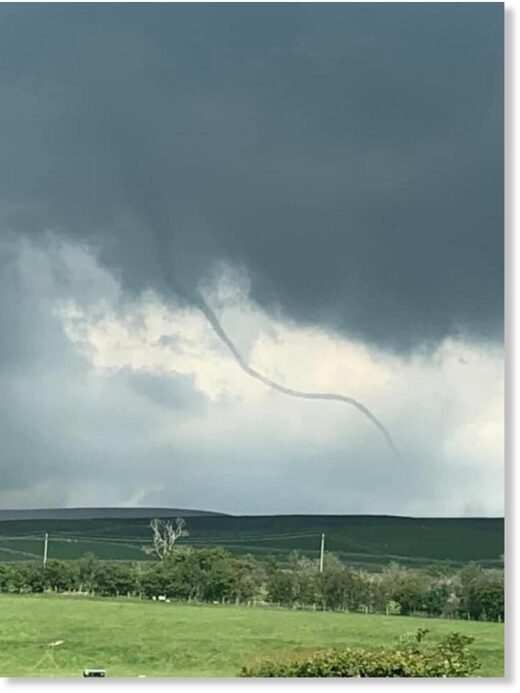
(172, 391)
(62, 425)
(348, 156)
(73, 435)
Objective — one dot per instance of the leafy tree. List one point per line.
(407, 587)
(484, 596)
(153, 581)
(86, 571)
(6, 578)
(61, 576)
(306, 587)
(248, 575)
(112, 579)
(218, 582)
(437, 597)
(33, 576)
(451, 607)
(281, 587)
(339, 587)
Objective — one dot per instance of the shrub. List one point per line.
(393, 608)
(450, 658)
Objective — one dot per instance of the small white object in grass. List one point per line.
(56, 643)
(94, 673)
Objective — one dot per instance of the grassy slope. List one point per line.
(132, 638)
(358, 539)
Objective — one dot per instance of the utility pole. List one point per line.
(322, 551)
(45, 548)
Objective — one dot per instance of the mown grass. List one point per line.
(130, 638)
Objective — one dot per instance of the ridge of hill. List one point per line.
(101, 513)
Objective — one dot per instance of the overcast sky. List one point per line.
(329, 178)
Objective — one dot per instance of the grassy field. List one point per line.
(131, 638)
(365, 541)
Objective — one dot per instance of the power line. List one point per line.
(136, 540)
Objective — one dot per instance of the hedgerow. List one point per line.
(410, 659)
(216, 575)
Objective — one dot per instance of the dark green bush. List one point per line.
(449, 658)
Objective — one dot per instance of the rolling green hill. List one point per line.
(362, 540)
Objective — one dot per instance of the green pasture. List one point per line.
(131, 638)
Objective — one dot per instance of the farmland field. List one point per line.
(131, 638)
(363, 540)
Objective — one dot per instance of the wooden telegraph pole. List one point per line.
(322, 551)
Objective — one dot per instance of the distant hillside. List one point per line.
(369, 541)
(100, 513)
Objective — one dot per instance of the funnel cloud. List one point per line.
(326, 396)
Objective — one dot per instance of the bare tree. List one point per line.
(165, 536)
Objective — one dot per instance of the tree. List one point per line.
(86, 570)
(6, 578)
(34, 577)
(249, 575)
(469, 577)
(112, 579)
(281, 587)
(437, 598)
(337, 585)
(306, 586)
(164, 537)
(409, 588)
(61, 576)
(451, 606)
(483, 595)
(411, 591)
(218, 580)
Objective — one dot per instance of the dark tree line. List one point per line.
(215, 575)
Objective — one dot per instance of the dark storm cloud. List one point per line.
(349, 157)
